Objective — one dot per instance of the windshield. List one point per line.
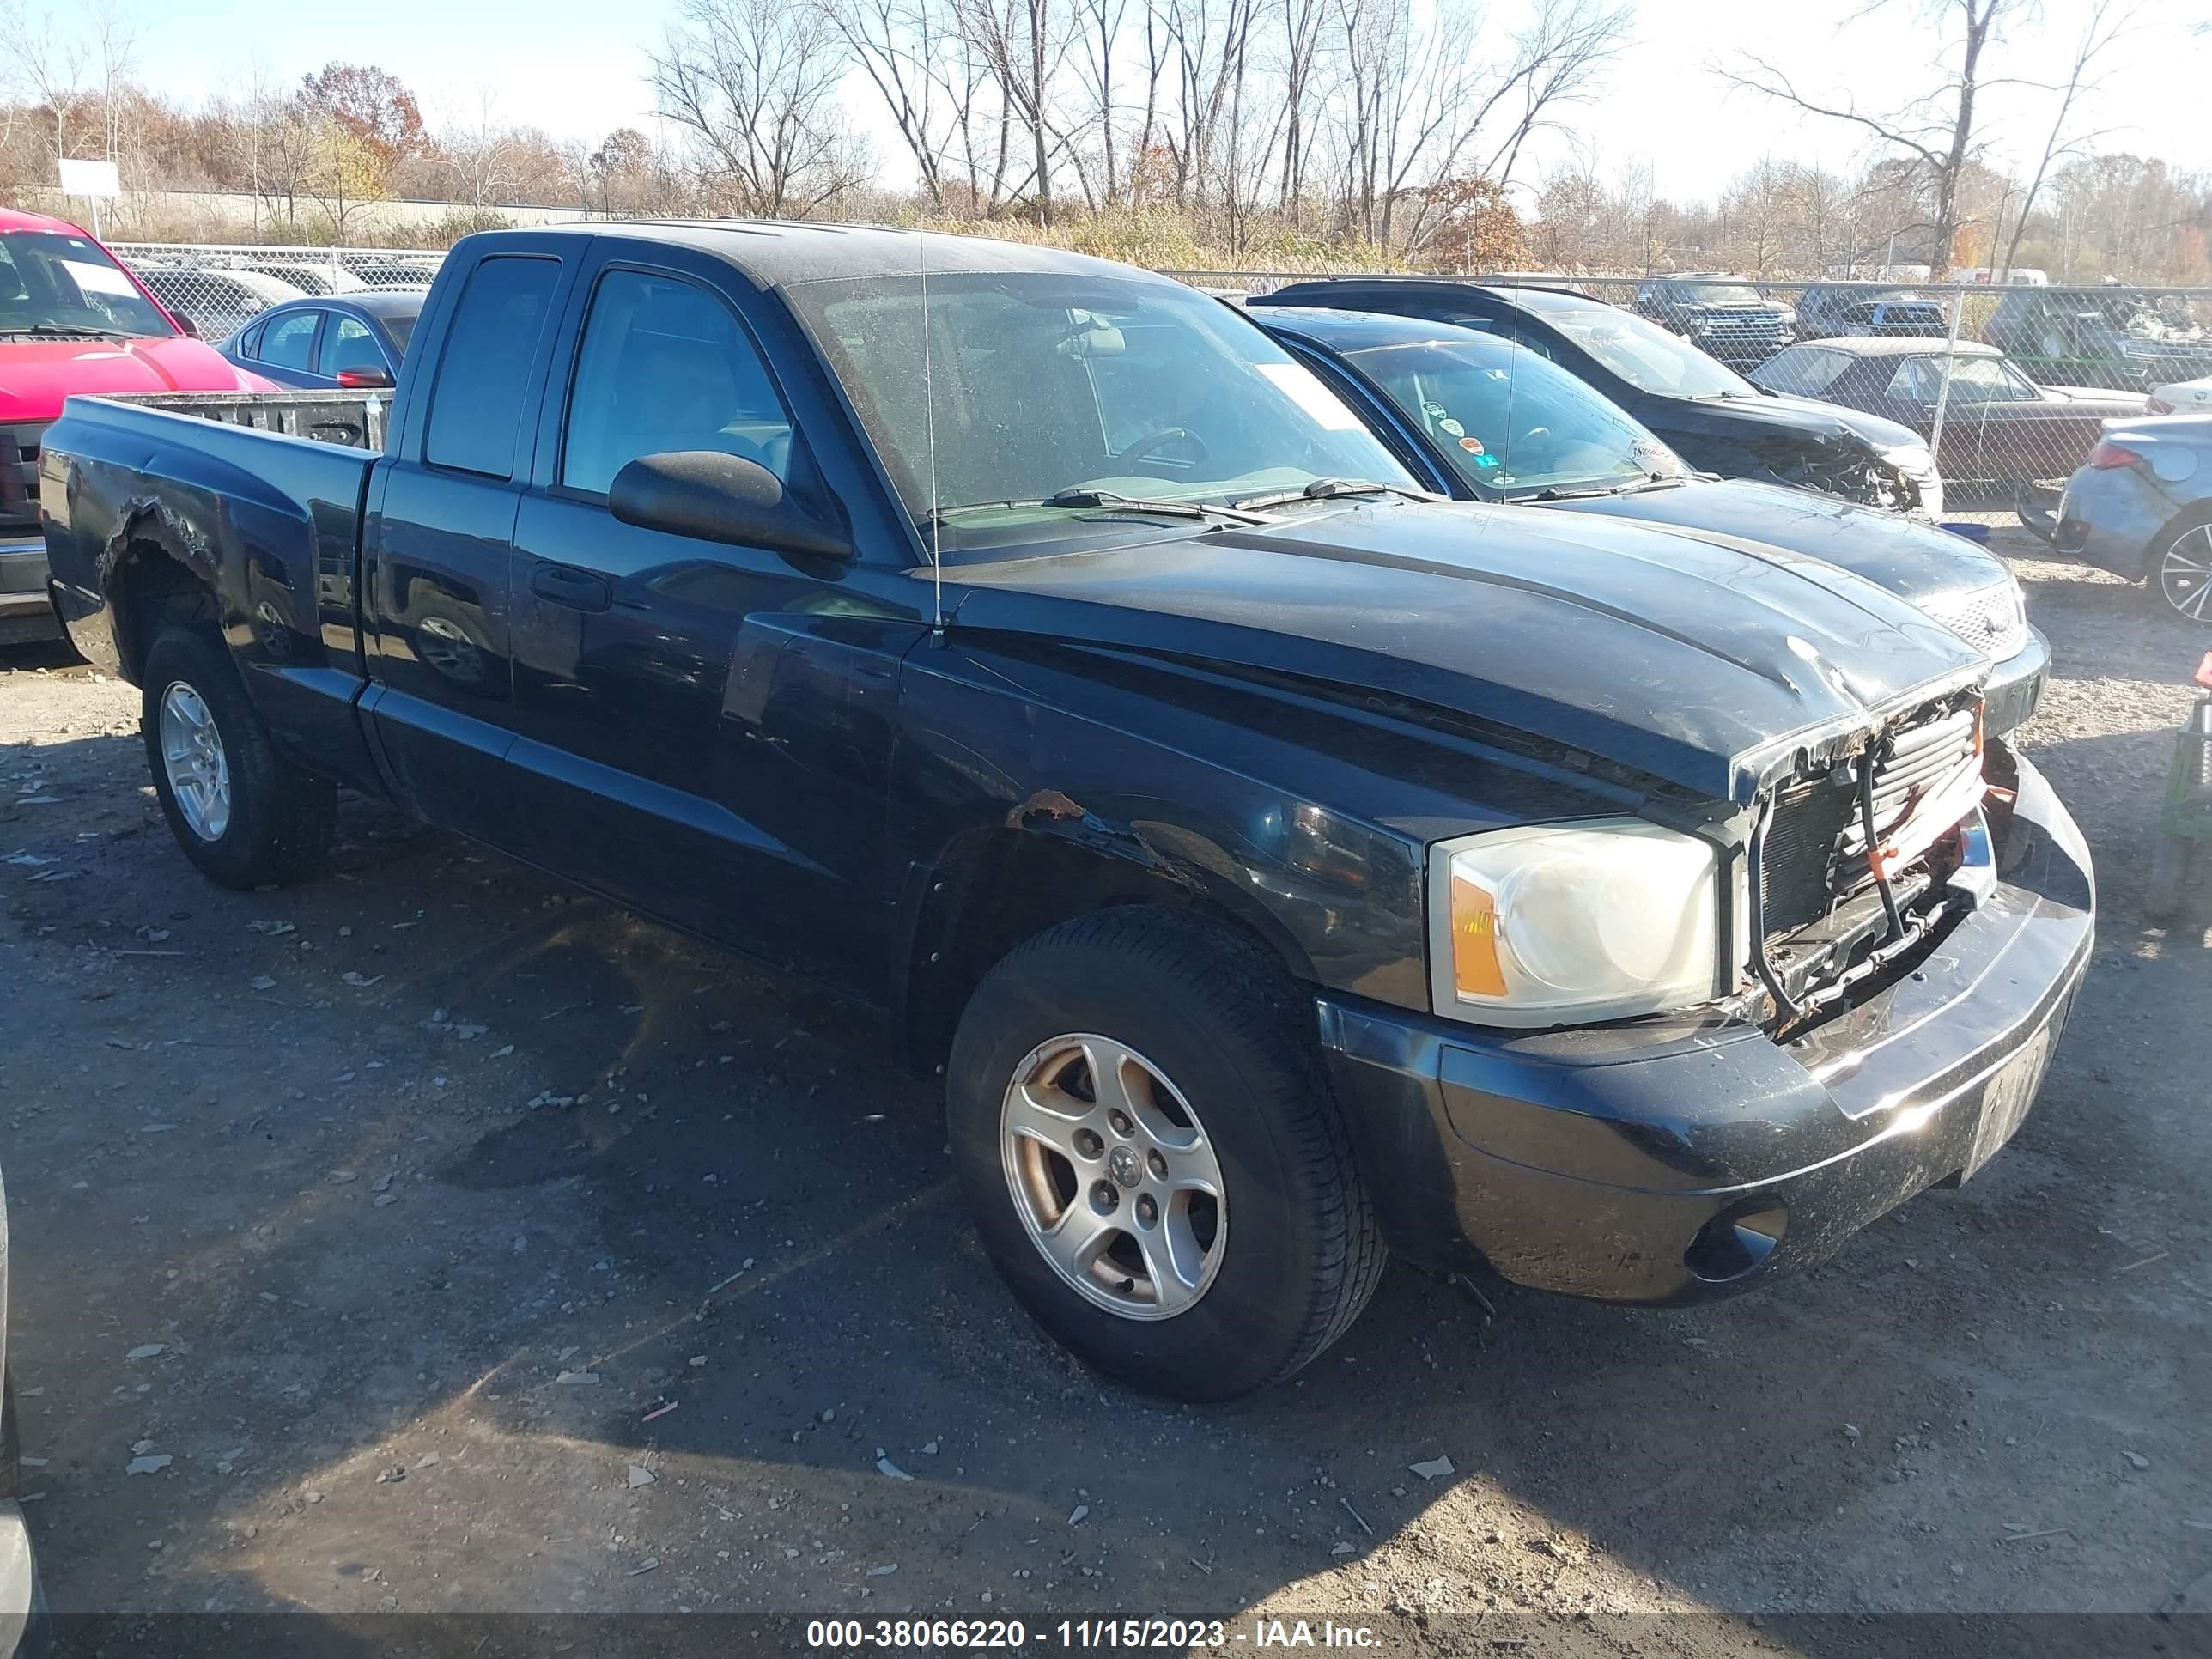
(1644, 355)
(1510, 422)
(1973, 380)
(51, 283)
(1047, 384)
(1715, 294)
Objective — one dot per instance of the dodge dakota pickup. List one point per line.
(1282, 864)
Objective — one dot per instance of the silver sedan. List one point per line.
(2141, 507)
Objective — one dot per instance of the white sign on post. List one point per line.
(95, 180)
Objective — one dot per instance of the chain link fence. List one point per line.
(221, 289)
(2009, 384)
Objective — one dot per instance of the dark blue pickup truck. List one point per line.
(1280, 861)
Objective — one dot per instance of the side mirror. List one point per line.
(362, 380)
(190, 329)
(720, 498)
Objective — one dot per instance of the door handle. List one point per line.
(579, 590)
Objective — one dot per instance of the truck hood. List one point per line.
(1820, 420)
(1700, 663)
(1909, 557)
(36, 375)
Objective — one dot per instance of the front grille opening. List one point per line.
(1826, 929)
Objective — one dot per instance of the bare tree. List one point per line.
(1024, 44)
(1302, 22)
(1425, 108)
(908, 49)
(754, 83)
(481, 156)
(1936, 129)
(2106, 23)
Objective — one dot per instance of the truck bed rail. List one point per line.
(352, 420)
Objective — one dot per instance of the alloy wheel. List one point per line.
(2184, 576)
(192, 757)
(1113, 1176)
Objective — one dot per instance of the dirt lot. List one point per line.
(437, 1239)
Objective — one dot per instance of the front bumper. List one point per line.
(26, 612)
(2015, 686)
(1676, 1162)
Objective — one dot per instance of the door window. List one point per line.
(666, 366)
(288, 342)
(351, 345)
(475, 406)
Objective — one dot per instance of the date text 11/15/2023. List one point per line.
(1169, 1634)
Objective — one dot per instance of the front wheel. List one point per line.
(246, 816)
(1140, 1120)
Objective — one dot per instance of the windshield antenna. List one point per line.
(929, 429)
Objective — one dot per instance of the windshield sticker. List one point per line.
(97, 279)
(1434, 411)
(1304, 389)
(1486, 461)
(1452, 427)
(1472, 446)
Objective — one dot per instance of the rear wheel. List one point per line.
(2181, 575)
(246, 816)
(1140, 1123)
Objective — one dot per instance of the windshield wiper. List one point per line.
(1083, 496)
(1329, 490)
(1555, 493)
(68, 332)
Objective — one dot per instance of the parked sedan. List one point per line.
(2183, 397)
(217, 303)
(1481, 419)
(1704, 410)
(353, 340)
(2142, 506)
(1999, 427)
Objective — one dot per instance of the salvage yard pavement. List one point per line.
(431, 1237)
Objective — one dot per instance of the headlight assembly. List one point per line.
(1569, 923)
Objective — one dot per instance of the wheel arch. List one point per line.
(155, 569)
(993, 887)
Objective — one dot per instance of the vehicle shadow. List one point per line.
(704, 1325)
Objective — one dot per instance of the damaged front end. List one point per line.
(1858, 863)
(1905, 484)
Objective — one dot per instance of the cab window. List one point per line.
(664, 366)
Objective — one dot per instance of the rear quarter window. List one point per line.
(475, 402)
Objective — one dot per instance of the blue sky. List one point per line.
(576, 67)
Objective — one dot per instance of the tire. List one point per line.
(1292, 1253)
(247, 817)
(2167, 887)
(2178, 576)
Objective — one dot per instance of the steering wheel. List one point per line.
(1151, 441)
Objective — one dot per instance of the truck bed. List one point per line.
(259, 496)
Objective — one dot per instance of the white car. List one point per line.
(2183, 397)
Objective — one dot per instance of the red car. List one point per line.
(71, 319)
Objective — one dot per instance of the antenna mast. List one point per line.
(929, 429)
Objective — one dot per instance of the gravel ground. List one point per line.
(436, 1239)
